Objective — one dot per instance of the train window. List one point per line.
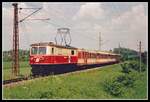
(42, 50)
(83, 54)
(59, 51)
(79, 54)
(101, 56)
(34, 50)
(52, 50)
(72, 52)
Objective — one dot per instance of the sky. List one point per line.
(124, 23)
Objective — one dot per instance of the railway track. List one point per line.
(15, 80)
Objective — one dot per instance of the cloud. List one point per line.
(7, 22)
(134, 22)
(129, 27)
(85, 21)
(90, 11)
(133, 16)
(30, 31)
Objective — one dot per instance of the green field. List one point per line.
(7, 65)
(82, 85)
(25, 69)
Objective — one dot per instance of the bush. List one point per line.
(113, 87)
(133, 65)
(125, 68)
(121, 78)
(127, 80)
(136, 66)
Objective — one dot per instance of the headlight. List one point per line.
(37, 60)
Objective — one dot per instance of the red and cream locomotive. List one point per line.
(46, 58)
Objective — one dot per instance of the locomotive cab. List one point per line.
(49, 53)
(46, 58)
(37, 54)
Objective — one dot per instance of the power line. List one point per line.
(59, 14)
(39, 19)
(56, 25)
(25, 31)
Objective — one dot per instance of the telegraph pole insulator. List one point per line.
(15, 52)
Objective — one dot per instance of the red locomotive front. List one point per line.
(46, 58)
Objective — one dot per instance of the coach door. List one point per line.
(52, 55)
(85, 57)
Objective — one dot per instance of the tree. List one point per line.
(126, 53)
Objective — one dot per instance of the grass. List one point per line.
(83, 85)
(8, 65)
(139, 91)
(25, 69)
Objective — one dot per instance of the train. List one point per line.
(49, 58)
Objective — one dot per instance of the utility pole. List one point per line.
(15, 52)
(140, 54)
(100, 40)
(119, 48)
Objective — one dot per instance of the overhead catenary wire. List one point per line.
(59, 13)
(56, 25)
(64, 21)
(24, 32)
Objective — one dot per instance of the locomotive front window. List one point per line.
(42, 50)
(34, 50)
(38, 50)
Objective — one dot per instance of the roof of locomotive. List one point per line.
(70, 47)
(52, 44)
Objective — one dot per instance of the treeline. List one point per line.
(23, 55)
(129, 54)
